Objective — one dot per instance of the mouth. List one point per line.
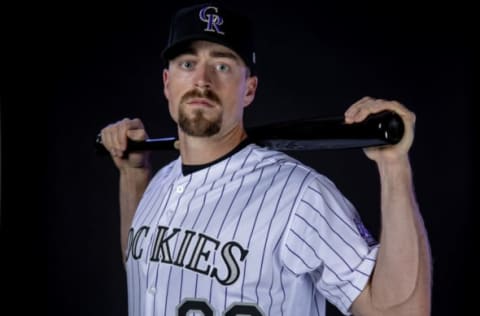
(200, 102)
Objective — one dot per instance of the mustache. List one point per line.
(206, 94)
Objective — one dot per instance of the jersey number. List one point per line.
(206, 309)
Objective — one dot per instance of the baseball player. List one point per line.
(232, 228)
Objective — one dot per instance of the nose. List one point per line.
(203, 77)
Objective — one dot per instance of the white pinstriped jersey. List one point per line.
(257, 233)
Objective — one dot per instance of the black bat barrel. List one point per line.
(383, 128)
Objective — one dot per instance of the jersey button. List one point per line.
(180, 189)
(152, 290)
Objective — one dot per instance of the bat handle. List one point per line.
(165, 143)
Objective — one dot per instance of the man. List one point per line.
(233, 228)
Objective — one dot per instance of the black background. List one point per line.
(71, 68)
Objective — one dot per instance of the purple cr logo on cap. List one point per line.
(213, 20)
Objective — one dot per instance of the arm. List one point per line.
(133, 182)
(401, 281)
(134, 169)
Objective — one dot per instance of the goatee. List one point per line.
(198, 125)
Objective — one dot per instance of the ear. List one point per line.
(165, 82)
(252, 83)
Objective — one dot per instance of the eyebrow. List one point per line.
(223, 54)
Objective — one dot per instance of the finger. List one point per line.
(119, 136)
(353, 110)
(114, 137)
(136, 130)
(368, 108)
(137, 134)
(123, 131)
(107, 138)
(135, 123)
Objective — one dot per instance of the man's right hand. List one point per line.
(115, 137)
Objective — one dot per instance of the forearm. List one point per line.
(133, 182)
(402, 276)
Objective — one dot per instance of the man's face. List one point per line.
(207, 88)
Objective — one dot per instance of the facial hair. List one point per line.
(196, 124)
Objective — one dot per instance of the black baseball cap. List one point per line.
(215, 23)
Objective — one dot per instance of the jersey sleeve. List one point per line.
(327, 240)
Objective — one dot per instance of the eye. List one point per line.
(186, 64)
(223, 67)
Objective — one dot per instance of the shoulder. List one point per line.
(266, 156)
(306, 178)
(165, 174)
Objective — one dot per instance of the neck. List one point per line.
(202, 150)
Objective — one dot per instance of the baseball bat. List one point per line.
(317, 133)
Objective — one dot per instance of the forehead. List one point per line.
(211, 48)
